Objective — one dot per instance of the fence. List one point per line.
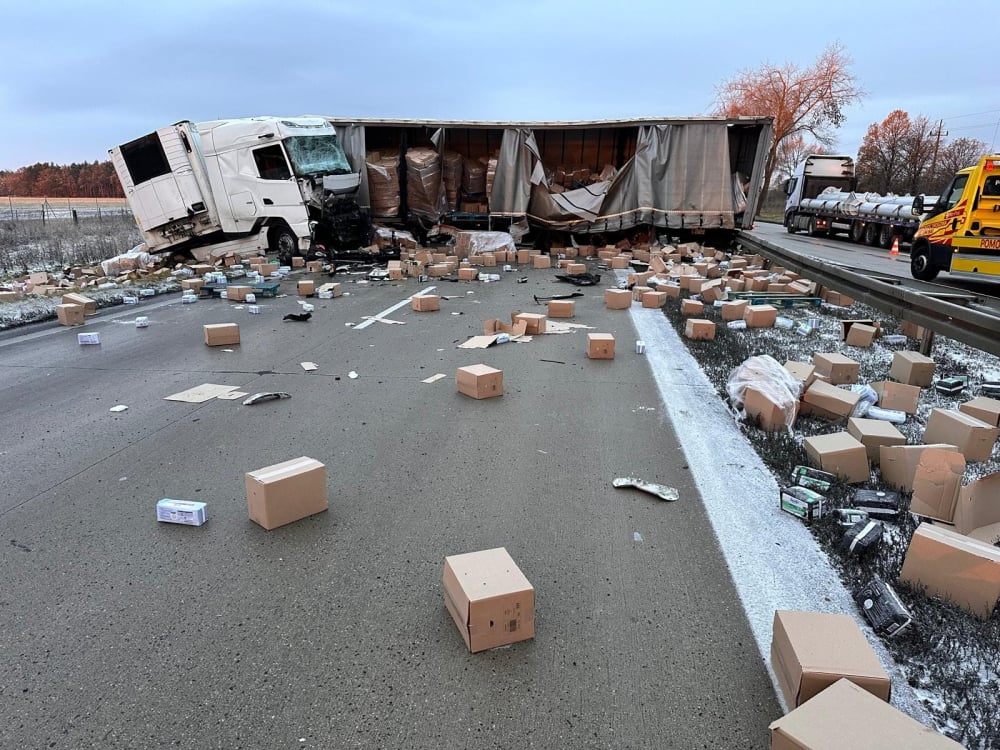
(42, 209)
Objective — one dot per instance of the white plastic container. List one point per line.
(142, 322)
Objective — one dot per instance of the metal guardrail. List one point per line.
(935, 313)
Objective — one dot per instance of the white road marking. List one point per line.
(390, 310)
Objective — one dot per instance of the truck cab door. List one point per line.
(985, 219)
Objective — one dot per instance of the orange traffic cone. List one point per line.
(895, 246)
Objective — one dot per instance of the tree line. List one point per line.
(902, 154)
(45, 180)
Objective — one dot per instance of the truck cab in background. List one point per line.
(811, 177)
(242, 186)
(961, 230)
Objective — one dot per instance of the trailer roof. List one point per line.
(539, 124)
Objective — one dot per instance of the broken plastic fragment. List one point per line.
(258, 398)
(352, 375)
(659, 490)
(120, 407)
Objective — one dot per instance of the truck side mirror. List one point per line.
(918, 205)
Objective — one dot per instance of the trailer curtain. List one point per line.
(679, 178)
(352, 139)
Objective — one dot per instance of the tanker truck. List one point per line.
(822, 200)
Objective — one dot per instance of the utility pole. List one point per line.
(937, 144)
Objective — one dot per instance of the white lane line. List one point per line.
(774, 560)
(390, 310)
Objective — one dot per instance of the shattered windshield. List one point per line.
(314, 154)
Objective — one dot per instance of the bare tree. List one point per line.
(880, 159)
(801, 101)
(960, 153)
(918, 151)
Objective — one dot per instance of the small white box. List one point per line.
(147, 292)
(250, 299)
(253, 309)
(187, 512)
(187, 299)
(130, 300)
(88, 338)
(325, 295)
(142, 322)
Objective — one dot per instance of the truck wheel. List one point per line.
(790, 224)
(885, 236)
(282, 242)
(813, 231)
(857, 231)
(920, 263)
(871, 234)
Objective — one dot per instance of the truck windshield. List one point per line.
(316, 154)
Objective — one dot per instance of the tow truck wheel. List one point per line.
(857, 231)
(885, 236)
(282, 243)
(920, 263)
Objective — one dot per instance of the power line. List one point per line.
(972, 114)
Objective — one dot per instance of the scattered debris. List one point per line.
(352, 375)
(309, 366)
(387, 321)
(434, 378)
(572, 295)
(201, 393)
(580, 279)
(659, 490)
(883, 608)
(232, 396)
(186, 512)
(259, 398)
(118, 408)
(298, 317)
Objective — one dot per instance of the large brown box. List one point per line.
(955, 567)
(541, 261)
(306, 287)
(69, 315)
(977, 513)
(812, 650)
(897, 396)
(836, 368)
(831, 401)
(89, 305)
(912, 368)
(847, 717)
(298, 261)
(280, 494)
(770, 415)
(860, 334)
(575, 269)
(734, 310)
(974, 437)
(874, 433)
(561, 308)
(937, 483)
(699, 328)
(534, 322)
(617, 299)
(465, 273)
(760, 316)
(690, 307)
(840, 454)
(654, 299)
(489, 598)
(600, 346)
(479, 381)
(982, 408)
(236, 293)
(425, 302)
(804, 372)
(221, 334)
(898, 463)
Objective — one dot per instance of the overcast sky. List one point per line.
(83, 76)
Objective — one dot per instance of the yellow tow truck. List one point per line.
(961, 231)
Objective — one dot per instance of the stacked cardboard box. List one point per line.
(383, 184)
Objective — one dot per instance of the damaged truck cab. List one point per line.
(961, 231)
(242, 185)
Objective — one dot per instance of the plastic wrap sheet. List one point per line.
(136, 259)
(476, 243)
(425, 191)
(767, 375)
(383, 183)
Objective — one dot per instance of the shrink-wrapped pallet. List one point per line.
(383, 184)
(451, 170)
(474, 178)
(424, 190)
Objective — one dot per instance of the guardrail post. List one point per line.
(927, 342)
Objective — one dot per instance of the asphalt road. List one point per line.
(120, 632)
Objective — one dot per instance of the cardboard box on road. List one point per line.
(812, 650)
(534, 322)
(489, 598)
(600, 346)
(897, 396)
(237, 293)
(479, 381)
(306, 287)
(830, 401)
(734, 310)
(617, 299)
(836, 368)
(874, 433)
(973, 437)
(691, 307)
(955, 567)
(912, 368)
(70, 315)
(89, 305)
(654, 299)
(699, 328)
(541, 261)
(221, 334)
(845, 716)
(283, 493)
(981, 407)
(760, 316)
(425, 303)
(839, 453)
(561, 308)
